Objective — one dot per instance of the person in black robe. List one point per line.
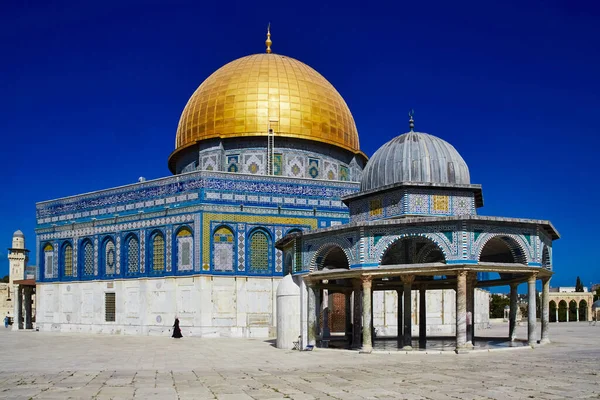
(176, 330)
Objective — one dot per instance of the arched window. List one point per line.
(132, 255)
(185, 253)
(87, 259)
(48, 260)
(158, 253)
(67, 260)
(223, 250)
(259, 253)
(109, 260)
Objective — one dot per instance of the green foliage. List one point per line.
(5, 279)
(597, 294)
(497, 304)
(578, 285)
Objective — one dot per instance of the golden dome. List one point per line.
(246, 95)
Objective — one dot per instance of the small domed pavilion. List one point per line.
(414, 226)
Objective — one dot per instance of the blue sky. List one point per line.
(91, 93)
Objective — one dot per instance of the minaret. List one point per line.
(18, 256)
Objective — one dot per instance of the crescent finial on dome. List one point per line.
(411, 121)
(268, 42)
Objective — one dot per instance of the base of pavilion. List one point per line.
(358, 285)
(436, 344)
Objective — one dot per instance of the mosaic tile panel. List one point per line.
(223, 250)
(109, 258)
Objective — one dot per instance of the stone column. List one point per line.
(348, 314)
(512, 316)
(577, 313)
(367, 344)
(568, 311)
(422, 316)
(556, 313)
(461, 311)
(531, 322)
(400, 322)
(326, 332)
(19, 315)
(471, 281)
(407, 280)
(545, 310)
(28, 295)
(357, 326)
(312, 315)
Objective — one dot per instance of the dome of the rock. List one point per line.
(247, 96)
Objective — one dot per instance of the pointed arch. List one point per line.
(546, 258)
(66, 260)
(440, 240)
(412, 249)
(86, 258)
(156, 252)
(184, 249)
(131, 255)
(502, 249)
(331, 256)
(260, 252)
(48, 261)
(108, 256)
(223, 249)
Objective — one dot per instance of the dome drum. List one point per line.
(292, 158)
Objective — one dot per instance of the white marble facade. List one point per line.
(213, 307)
(206, 306)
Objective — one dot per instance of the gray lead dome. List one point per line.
(415, 157)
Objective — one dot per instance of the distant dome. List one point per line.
(18, 234)
(415, 157)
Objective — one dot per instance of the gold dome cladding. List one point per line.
(244, 96)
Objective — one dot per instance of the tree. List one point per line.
(578, 285)
(497, 304)
(6, 279)
(597, 294)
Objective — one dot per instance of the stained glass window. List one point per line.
(223, 249)
(109, 258)
(184, 250)
(48, 260)
(259, 253)
(133, 256)
(158, 253)
(88, 259)
(68, 260)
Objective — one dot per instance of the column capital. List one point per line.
(461, 274)
(407, 279)
(546, 279)
(532, 277)
(366, 280)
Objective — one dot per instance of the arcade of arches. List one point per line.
(340, 299)
(566, 307)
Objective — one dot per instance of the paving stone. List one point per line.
(124, 367)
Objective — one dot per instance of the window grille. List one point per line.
(158, 254)
(110, 309)
(88, 259)
(68, 260)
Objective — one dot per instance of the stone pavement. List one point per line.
(40, 365)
